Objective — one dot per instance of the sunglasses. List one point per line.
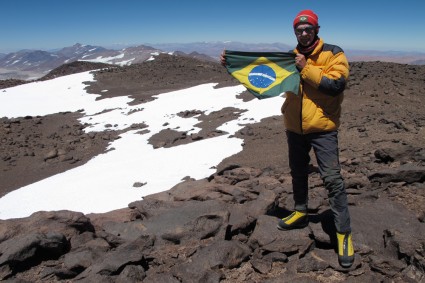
(308, 30)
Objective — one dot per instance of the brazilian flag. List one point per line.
(264, 74)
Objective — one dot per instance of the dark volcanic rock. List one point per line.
(10, 83)
(73, 68)
(23, 251)
(405, 173)
(187, 238)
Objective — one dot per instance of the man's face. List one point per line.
(305, 34)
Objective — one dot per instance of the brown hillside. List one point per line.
(223, 228)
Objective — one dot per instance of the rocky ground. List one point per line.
(223, 228)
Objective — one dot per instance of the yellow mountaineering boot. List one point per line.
(345, 249)
(297, 219)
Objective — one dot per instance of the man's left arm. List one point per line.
(330, 79)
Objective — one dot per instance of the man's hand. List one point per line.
(223, 58)
(300, 61)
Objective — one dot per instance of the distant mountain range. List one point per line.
(32, 64)
(28, 64)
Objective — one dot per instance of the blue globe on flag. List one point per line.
(262, 76)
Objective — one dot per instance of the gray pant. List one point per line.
(325, 146)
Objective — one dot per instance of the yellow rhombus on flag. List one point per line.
(264, 74)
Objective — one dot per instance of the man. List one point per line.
(312, 118)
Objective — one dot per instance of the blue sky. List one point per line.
(360, 24)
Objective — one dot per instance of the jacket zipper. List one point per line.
(301, 107)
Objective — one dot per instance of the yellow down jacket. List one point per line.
(317, 106)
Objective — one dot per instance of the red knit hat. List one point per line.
(306, 17)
